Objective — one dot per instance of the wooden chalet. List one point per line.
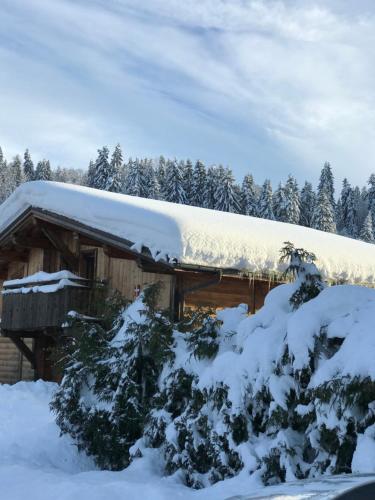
(50, 238)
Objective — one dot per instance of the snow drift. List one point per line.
(192, 235)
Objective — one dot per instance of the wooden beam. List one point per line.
(28, 243)
(26, 351)
(71, 259)
(12, 256)
(117, 253)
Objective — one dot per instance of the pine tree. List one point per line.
(248, 196)
(226, 196)
(324, 216)
(91, 174)
(371, 197)
(308, 201)
(188, 180)
(326, 184)
(265, 202)
(293, 208)
(301, 265)
(151, 182)
(43, 171)
(103, 173)
(160, 176)
(211, 186)
(199, 184)
(15, 177)
(174, 190)
(28, 167)
(136, 181)
(367, 231)
(279, 203)
(113, 183)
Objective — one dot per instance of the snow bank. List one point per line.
(37, 464)
(28, 433)
(192, 235)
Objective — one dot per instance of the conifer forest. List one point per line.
(349, 212)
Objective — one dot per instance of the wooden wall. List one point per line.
(230, 292)
(126, 277)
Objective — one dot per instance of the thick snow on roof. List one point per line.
(192, 235)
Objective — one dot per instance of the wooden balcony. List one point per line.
(44, 308)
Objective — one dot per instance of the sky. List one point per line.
(271, 88)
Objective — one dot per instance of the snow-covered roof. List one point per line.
(192, 235)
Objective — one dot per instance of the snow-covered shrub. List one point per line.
(286, 393)
(110, 377)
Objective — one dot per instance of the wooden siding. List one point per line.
(126, 277)
(13, 366)
(229, 292)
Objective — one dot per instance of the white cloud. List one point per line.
(282, 84)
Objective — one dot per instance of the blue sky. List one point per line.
(268, 87)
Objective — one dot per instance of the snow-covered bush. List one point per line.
(111, 374)
(286, 393)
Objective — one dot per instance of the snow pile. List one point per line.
(37, 464)
(28, 433)
(192, 235)
(43, 277)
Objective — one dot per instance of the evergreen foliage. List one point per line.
(265, 202)
(226, 197)
(135, 380)
(308, 202)
(367, 232)
(173, 185)
(110, 377)
(43, 171)
(213, 187)
(199, 184)
(324, 215)
(248, 196)
(28, 167)
(301, 265)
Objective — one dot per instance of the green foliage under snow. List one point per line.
(286, 393)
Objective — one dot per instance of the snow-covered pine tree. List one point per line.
(103, 175)
(248, 196)
(347, 212)
(174, 189)
(151, 182)
(324, 215)
(188, 180)
(279, 203)
(136, 179)
(226, 195)
(292, 199)
(15, 177)
(90, 174)
(301, 265)
(199, 184)
(28, 167)
(326, 184)
(367, 231)
(113, 183)
(211, 186)
(110, 378)
(43, 171)
(160, 176)
(308, 201)
(371, 198)
(265, 202)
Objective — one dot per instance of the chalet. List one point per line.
(58, 240)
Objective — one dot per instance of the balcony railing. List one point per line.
(43, 305)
